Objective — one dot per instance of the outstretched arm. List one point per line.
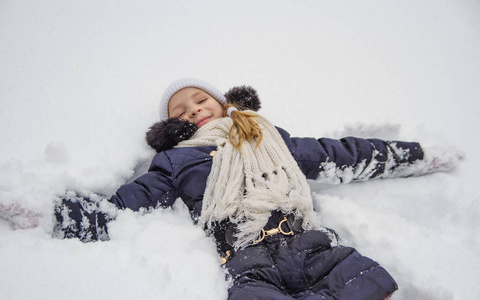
(86, 218)
(341, 161)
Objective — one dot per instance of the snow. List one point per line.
(80, 83)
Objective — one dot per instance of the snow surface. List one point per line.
(80, 83)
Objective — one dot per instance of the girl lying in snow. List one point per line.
(245, 182)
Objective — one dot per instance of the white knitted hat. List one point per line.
(184, 83)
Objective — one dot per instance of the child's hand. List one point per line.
(439, 159)
(18, 216)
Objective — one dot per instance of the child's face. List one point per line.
(195, 106)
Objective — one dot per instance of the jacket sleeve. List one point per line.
(151, 190)
(341, 161)
(84, 218)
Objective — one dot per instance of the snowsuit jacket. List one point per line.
(306, 266)
(183, 172)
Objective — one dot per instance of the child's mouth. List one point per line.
(203, 122)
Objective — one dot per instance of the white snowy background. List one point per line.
(80, 83)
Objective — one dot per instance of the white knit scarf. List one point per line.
(245, 185)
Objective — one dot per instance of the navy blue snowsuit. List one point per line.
(301, 266)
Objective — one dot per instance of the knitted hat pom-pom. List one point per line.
(245, 97)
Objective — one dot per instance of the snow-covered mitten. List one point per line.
(440, 159)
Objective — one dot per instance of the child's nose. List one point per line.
(195, 111)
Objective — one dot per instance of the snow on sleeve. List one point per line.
(359, 159)
(85, 218)
(435, 159)
(389, 160)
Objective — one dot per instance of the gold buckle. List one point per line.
(274, 231)
(224, 259)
